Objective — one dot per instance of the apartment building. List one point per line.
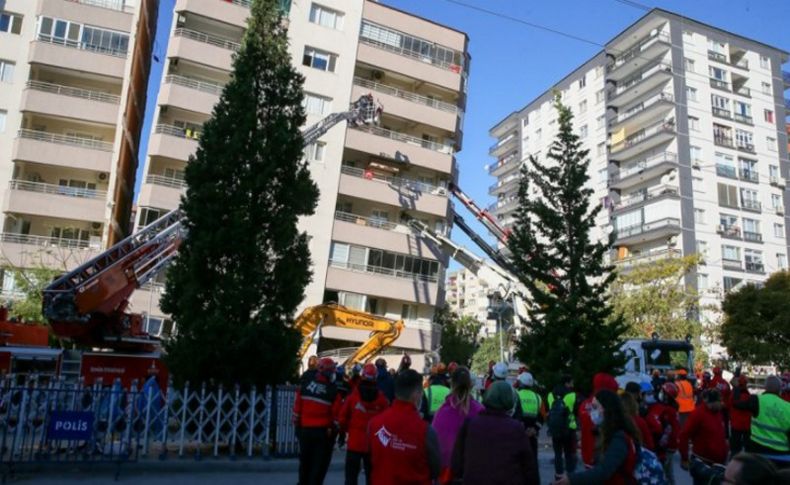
(685, 124)
(73, 79)
(363, 255)
(466, 296)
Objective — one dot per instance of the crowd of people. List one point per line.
(403, 429)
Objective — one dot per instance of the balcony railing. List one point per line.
(755, 267)
(646, 258)
(717, 56)
(411, 140)
(752, 236)
(719, 84)
(751, 205)
(400, 182)
(207, 39)
(43, 188)
(375, 222)
(503, 183)
(644, 105)
(502, 142)
(511, 159)
(732, 264)
(745, 147)
(9, 237)
(726, 171)
(662, 127)
(165, 129)
(640, 197)
(743, 118)
(723, 141)
(108, 4)
(409, 96)
(644, 164)
(379, 270)
(430, 59)
(85, 46)
(164, 181)
(636, 51)
(637, 229)
(503, 205)
(74, 92)
(634, 80)
(65, 140)
(729, 231)
(749, 175)
(722, 113)
(204, 86)
(744, 91)
(243, 3)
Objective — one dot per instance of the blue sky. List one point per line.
(513, 63)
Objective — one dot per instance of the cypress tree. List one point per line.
(241, 271)
(570, 328)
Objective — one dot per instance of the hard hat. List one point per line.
(670, 389)
(646, 386)
(326, 365)
(681, 372)
(357, 369)
(312, 362)
(525, 379)
(369, 372)
(441, 368)
(500, 370)
(451, 367)
(341, 371)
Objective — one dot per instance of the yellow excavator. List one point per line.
(383, 331)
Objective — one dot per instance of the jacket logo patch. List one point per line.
(393, 441)
(384, 436)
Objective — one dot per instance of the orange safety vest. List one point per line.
(685, 396)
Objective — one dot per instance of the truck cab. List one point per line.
(646, 355)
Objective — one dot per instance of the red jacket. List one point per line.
(740, 420)
(600, 381)
(398, 450)
(317, 404)
(354, 417)
(662, 420)
(644, 430)
(705, 429)
(723, 386)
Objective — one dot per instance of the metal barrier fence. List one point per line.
(73, 423)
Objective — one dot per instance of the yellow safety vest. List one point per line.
(770, 427)
(530, 402)
(436, 394)
(570, 403)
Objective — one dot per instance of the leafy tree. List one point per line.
(570, 327)
(239, 276)
(487, 351)
(460, 335)
(756, 327)
(30, 283)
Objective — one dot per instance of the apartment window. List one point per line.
(693, 123)
(408, 312)
(689, 63)
(603, 175)
(716, 46)
(753, 258)
(731, 253)
(3, 116)
(315, 151)
(728, 223)
(601, 122)
(770, 143)
(728, 195)
(326, 17)
(730, 282)
(317, 105)
(725, 165)
(768, 115)
(766, 87)
(744, 139)
(773, 171)
(743, 109)
(105, 41)
(6, 71)
(10, 22)
(719, 103)
(779, 230)
(702, 282)
(583, 107)
(70, 233)
(781, 260)
(173, 173)
(582, 82)
(699, 216)
(718, 74)
(601, 149)
(722, 135)
(413, 46)
(319, 59)
(749, 199)
(776, 201)
(764, 62)
(598, 72)
(751, 226)
(600, 95)
(702, 248)
(691, 93)
(695, 152)
(583, 131)
(150, 214)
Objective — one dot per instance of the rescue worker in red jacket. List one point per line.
(785, 394)
(315, 411)
(662, 419)
(589, 431)
(706, 430)
(404, 449)
(365, 402)
(740, 420)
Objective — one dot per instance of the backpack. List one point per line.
(558, 418)
(649, 470)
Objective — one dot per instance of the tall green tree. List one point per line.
(756, 327)
(570, 328)
(460, 336)
(241, 272)
(489, 350)
(30, 283)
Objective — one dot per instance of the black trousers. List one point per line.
(315, 453)
(738, 440)
(564, 445)
(354, 461)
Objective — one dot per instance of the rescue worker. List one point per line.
(356, 371)
(316, 408)
(685, 397)
(309, 374)
(740, 420)
(344, 389)
(721, 385)
(434, 394)
(531, 409)
(489, 375)
(662, 419)
(786, 386)
(770, 432)
(384, 379)
(365, 402)
(589, 432)
(706, 430)
(405, 363)
(563, 432)
(404, 449)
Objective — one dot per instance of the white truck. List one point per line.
(646, 355)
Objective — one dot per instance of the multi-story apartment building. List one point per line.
(73, 80)
(363, 256)
(466, 296)
(685, 124)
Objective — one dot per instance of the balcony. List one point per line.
(503, 206)
(117, 5)
(51, 200)
(743, 91)
(752, 236)
(755, 267)
(636, 57)
(190, 94)
(79, 56)
(504, 186)
(62, 150)
(717, 56)
(744, 146)
(410, 106)
(719, 84)
(235, 13)
(394, 191)
(723, 141)
(504, 145)
(68, 102)
(643, 140)
(751, 205)
(108, 14)
(173, 142)
(25, 250)
(654, 193)
(749, 175)
(745, 119)
(643, 111)
(628, 90)
(647, 231)
(383, 282)
(402, 147)
(721, 113)
(631, 262)
(730, 231)
(643, 170)
(160, 191)
(380, 234)
(504, 165)
(200, 48)
(726, 171)
(732, 264)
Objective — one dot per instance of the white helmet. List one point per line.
(500, 370)
(526, 380)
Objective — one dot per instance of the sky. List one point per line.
(513, 63)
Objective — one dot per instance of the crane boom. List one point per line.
(88, 304)
(481, 215)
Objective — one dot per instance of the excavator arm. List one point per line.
(383, 331)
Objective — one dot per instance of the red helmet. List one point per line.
(451, 367)
(369, 372)
(670, 389)
(326, 366)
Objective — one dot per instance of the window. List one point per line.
(105, 41)
(702, 282)
(776, 201)
(583, 107)
(10, 22)
(751, 226)
(770, 143)
(718, 74)
(149, 215)
(6, 71)
(600, 122)
(728, 195)
(691, 93)
(319, 59)
(583, 131)
(702, 248)
(603, 175)
(729, 223)
(696, 153)
(781, 260)
(730, 282)
(601, 149)
(764, 62)
(408, 312)
(699, 216)
(720, 105)
(779, 230)
(716, 46)
(689, 64)
(315, 152)
(768, 115)
(317, 105)
(773, 171)
(749, 199)
(582, 82)
(693, 123)
(326, 17)
(598, 72)
(753, 259)
(599, 96)
(725, 165)
(731, 253)
(412, 46)
(3, 115)
(766, 87)
(744, 110)
(744, 139)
